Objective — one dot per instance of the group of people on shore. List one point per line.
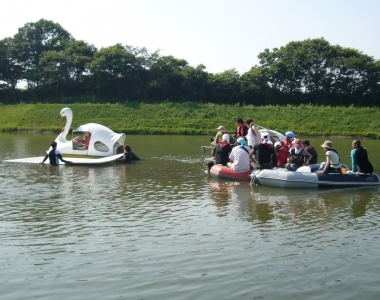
(249, 149)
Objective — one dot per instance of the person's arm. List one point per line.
(353, 160)
(309, 157)
(45, 158)
(61, 159)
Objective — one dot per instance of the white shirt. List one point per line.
(334, 159)
(240, 159)
(251, 138)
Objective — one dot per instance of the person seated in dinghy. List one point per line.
(282, 156)
(332, 164)
(264, 152)
(221, 152)
(239, 157)
(298, 156)
(287, 143)
(359, 158)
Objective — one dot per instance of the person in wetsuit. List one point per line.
(55, 156)
(359, 158)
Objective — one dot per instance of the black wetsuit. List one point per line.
(54, 156)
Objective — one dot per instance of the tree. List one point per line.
(315, 71)
(32, 41)
(10, 71)
(166, 78)
(195, 83)
(225, 87)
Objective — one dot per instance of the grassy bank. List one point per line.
(194, 118)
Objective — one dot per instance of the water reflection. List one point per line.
(161, 226)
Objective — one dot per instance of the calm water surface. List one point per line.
(162, 229)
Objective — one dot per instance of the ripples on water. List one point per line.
(161, 229)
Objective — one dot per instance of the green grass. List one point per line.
(194, 118)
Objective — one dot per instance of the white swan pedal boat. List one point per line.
(304, 178)
(103, 141)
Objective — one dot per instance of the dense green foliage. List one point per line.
(195, 118)
(56, 68)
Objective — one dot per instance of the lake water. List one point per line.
(162, 229)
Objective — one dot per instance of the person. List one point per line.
(332, 164)
(359, 158)
(241, 129)
(310, 148)
(87, 138)
(297, 156)
(219, 135)
(253, 135)
(281, 154)
(127, 156)
(222, 151)
(239, 157)
(54, 156)
(263, 152)
(287, 143)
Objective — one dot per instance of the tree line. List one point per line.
(55, 67)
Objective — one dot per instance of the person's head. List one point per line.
(127, 148)
(327, 145)
(239, 121)
(241, 141)
(221, 129)
(265, 137)
(249, 121)
(297, 143)
(305, 143)
(356, 144)
(226, 138)
(54, 145)
(277, 145)
(289, 136)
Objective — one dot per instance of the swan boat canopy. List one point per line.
(102, 141)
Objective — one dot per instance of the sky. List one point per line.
(220, 34)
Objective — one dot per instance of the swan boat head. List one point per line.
(103, 141)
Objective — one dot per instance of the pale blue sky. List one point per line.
(221, 34)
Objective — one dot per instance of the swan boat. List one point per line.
(104, 145)
(306, 177)
(103, 141)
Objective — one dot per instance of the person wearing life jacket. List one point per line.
(298, 156)
(287, 143)
(264, 152)
(332, 164)
(241, 129)
(359, 158)
(222, 151)
(282, 156)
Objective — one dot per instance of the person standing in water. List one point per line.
(55, 156)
